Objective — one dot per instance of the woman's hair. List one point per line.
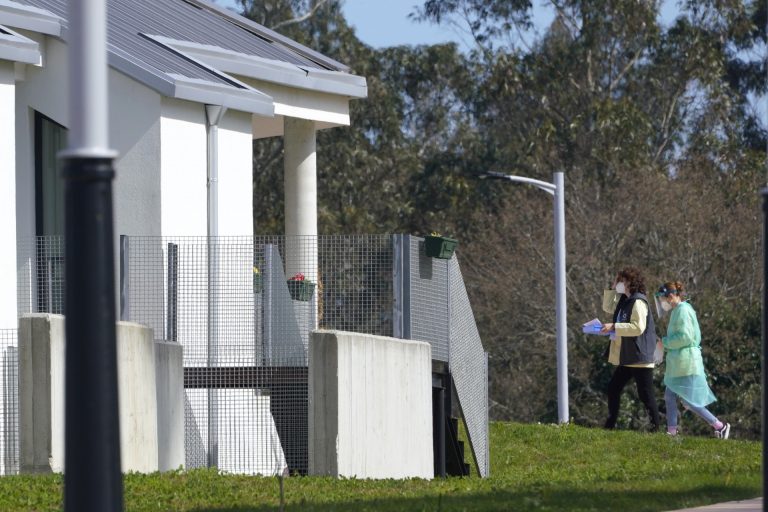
(634, 279)
(672, 288)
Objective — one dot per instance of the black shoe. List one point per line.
(723, 432)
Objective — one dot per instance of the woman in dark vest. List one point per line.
(633, 341)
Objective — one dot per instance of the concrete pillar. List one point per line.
(41, 397)
(169, 378)
(300, 198)
(370, 406)
(8, 314)
(41, 393)
(137, 397)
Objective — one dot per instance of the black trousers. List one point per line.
(644, 382)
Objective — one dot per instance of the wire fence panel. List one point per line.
(469, 369)
(356, 283)
(40, 279)
(430, 305)
(9, 402)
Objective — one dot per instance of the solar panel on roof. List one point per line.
(181, 20)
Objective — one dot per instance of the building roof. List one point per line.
(186, 48)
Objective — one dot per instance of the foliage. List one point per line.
(606, 471)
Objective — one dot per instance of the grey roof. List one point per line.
(134, 48)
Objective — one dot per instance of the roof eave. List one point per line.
(17, 48)
(282, 73)
(201, 91)
(30, 18)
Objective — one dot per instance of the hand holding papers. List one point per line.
(595, 327)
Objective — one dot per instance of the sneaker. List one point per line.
(723, 432)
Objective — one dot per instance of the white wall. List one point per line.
(235, 175)
(183, 169)
(134, 132)
(370, 406)
(7, 196)
(134, 118)
(44, 89)
(184, 174)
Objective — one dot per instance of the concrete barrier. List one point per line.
(41, 393)
(147, 377)
(370, 406)
(137, 397)
(169, 379)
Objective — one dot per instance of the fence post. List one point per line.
(213, 349)
(397, 286)
(171, 319)
(125, 313)
(401, 276)
(267, 291)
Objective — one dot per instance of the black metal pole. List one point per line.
(92, 477)
(764, 193)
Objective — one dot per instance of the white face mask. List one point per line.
(620, 288)
(666, 305)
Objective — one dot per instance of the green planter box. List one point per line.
(301, 290)
(440, 247)
(258, 283)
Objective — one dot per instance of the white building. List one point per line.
(190, 86)
(181, 71)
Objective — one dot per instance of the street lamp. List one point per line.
(557, 190)
(92, 480)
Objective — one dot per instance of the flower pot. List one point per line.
(301, 290)
(258, 283)
(440, 247)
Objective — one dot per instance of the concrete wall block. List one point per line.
(370, 406)
(40, 344)
(137, 397)
(169, 377)
(41, 395)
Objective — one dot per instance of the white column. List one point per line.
(300, 198)
(8, 317)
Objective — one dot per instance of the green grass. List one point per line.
(533, 467)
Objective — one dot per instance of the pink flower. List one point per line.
(298, 277)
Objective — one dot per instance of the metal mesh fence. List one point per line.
(40, 279)
(243, 309)
(9, 402)
(430, 305)
(469, 369)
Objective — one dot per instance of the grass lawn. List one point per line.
(533, 467)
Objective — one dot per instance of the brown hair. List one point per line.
(674, 288)
(634, 279)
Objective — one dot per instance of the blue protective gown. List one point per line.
(684, 366)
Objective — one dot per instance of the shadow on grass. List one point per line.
(544, 500)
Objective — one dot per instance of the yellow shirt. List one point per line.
(635, 326)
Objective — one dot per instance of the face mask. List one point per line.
(666, 306)
(620, 288)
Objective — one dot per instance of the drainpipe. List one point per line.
(213, 115)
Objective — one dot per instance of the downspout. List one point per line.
(213, 115)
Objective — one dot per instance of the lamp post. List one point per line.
(764, 193)
(92, 477)
(557, 189)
